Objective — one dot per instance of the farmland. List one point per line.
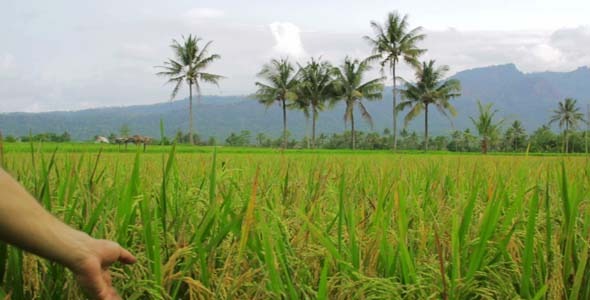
(239, 223)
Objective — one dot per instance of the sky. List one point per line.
(70, 55)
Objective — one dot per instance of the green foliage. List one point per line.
(239, 140)
(280, 85)
(394, 41)
(316, 87)
(486, 126)
(430, 89)
(568, 116)
(351, 87)
(188, 67)
(331, 225)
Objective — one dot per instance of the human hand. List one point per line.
(92, 270)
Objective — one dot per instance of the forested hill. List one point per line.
(529, 97)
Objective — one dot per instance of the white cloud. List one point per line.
(200, 13)
(287, 39)
(7, 61)
(137, 51)
(546, 53)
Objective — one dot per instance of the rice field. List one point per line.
(313, 225)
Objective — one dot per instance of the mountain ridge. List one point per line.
(529, 97)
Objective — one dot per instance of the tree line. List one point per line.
(318, 85)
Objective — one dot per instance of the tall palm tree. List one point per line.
(485, 124)
(568, 116)
(281, 84)
(316, 87)
(350, 87)
(430, 89)
(188, 65)
(304, 105)
(394, 41)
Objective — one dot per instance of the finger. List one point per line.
(106, 276)
(113, 295)
(93, 283)
(126, 257)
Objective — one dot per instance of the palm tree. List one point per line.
(515, 134)
(316, 87)
(568, 116)
(393, 41)
(485, 124)
(429, 89)
(349, 87)
(304, 105)
(280, 86)
(188, 65)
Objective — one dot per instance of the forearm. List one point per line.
(26, 224)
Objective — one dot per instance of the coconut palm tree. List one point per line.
(568, 116)
(485, 124)
(304, 105)
(188, 65)
(280, 86)
(430, 89)
(349, 86)
(315, 89)
(394, 41)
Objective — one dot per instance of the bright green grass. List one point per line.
(258, 224)
(108, 148)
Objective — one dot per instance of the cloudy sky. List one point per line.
(67, 55)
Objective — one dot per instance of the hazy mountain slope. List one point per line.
(528, 97)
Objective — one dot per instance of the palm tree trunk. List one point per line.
(426, 127)
(314, 116)
(352, 133)
(394, 111)
(565, 137)
(484, 145)
(284, 124)
(307, 132)
(190, 111)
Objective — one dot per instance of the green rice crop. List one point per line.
(258, 224)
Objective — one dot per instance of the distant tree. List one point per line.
(441, 142)
(351, 88)
(469, 140)
(485, 124)
(515, 136)
(193, 139)
(261, 139)
(124, 131)
(212, 141)
(280, 86)
(456, 141)
(10, 139)
(316, 88)
(188, 65)
(412, 141)
(430, 89)
(543, 140)
(322, 139)
(65, 137)
(568, 116)
(239, 140)
(394, 41)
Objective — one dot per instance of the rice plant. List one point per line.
(234, 224)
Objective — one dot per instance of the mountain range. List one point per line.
(529, 97)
